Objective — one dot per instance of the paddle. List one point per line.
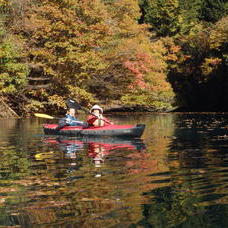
(71, 104)
(41, 115)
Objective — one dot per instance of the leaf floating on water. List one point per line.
(222, 136)
(212, 150)
(42, 156)
(2, 200)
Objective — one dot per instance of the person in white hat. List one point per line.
(96, 117)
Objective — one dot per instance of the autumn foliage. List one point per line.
(132, 52)
(91, 50)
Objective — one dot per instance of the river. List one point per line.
(175, 176)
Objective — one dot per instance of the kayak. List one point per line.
(133, 131)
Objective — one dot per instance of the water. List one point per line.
(176, 176)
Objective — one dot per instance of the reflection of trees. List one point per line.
(54, 193)
(64, 188)
(181, 209)
(196, 195)
(6, 125)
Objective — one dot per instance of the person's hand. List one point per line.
(96, 115)
(68, 121)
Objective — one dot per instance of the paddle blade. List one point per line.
(41, 115)
(73, 104)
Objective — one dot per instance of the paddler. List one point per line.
(70, 120)
(96, 117)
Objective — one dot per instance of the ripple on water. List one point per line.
(175, 177)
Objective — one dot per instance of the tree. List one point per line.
(199, 68)
(213, 10)
(82, 46)
(190, 11)
(88, 50)
(13, 72)
(162, 15)
(63, 38)
(137, 65)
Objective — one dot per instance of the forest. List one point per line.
(144, 55)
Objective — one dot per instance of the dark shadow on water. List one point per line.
(174, 209)
(197, 191)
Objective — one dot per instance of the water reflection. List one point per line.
(61, 183)
(197, 191)
(175, 177)
(97, 148)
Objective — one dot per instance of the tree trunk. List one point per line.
(6, 111)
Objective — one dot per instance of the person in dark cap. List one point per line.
(70, 119)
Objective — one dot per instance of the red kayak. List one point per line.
(133, 131)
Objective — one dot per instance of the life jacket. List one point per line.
(99, 122)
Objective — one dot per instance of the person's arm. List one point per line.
(91, 119)
(70, 119)
(107, 121)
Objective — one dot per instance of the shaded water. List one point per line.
(176, 176)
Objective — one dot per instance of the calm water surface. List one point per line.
(176, 176)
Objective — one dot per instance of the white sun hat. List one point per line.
(97, 107)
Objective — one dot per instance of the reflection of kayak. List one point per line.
(108, 143)
(117, 143)
(96, 148)
(134, 131)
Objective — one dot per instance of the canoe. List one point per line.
(133, 131)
